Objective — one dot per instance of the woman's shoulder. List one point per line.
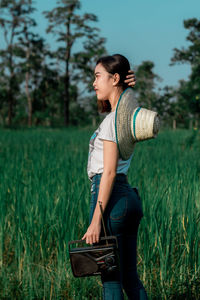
(108, 121)
(109, 116)
(107, 127)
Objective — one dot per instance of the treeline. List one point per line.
(41, 86)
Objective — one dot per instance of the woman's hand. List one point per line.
(131, 80)
(93, 233)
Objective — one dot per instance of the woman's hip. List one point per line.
(124, 201)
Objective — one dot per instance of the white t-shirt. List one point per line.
(105, 131)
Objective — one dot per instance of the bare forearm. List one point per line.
(105, 189)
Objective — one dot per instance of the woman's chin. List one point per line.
(101, 98)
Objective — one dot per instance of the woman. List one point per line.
(107, 172)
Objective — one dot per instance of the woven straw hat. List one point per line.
(133, 123)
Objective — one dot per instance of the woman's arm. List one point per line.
(110, 158)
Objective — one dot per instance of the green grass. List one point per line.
(44, 203)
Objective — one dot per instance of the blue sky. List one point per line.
(140, 30)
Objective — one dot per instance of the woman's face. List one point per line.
(103, 84)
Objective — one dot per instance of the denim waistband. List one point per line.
(120, 177)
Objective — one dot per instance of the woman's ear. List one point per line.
(116, 79)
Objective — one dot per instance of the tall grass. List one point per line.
(44, 203)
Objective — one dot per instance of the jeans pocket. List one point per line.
(94, 187)
(119, 209)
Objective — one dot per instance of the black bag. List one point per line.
(96, 259)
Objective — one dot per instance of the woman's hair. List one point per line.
(113, 64)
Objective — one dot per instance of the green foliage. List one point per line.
(145, 87)
(191, 54)
(47, 87)
(29, 68)
(44, 203)
(14, 23)
(68, 27)
(85, 61)
(190, 91)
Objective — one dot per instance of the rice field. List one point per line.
(44, 203)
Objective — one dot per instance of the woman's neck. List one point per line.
(114, 97)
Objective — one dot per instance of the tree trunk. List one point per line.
(174, 124)
(10, 92)
(67, 76)
(190, 124)
(94, 121)
(10, 108)
(11, 97)
(29, 101)
(196, 124)
(66, 100)
(12, 75)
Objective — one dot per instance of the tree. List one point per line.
(19, 57)
(11, 19)
(33, 53)
(69, 27)
(3, 96)
(145, 87)
(191, 90)
(84, 63)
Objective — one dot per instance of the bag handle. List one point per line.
(104, 228)
(110, 237)
(106, 238)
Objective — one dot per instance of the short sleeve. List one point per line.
(107, 128)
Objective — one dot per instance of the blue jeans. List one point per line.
(122, 218)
